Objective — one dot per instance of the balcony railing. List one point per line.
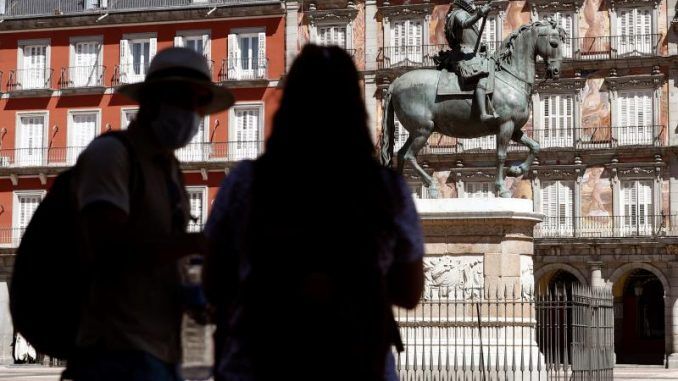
(18, 8)
(243, 69)
(408, 56)
(30, 79)
(129, 73)
(637, 225)
(580, 138)
(82, 76)
(194, 152)
(11, 237)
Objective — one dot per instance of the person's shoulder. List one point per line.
(104, 151)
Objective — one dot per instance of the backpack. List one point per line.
(49, 281)
(322, 313)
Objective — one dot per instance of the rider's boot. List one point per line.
(481, 98)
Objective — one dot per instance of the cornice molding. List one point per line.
(556, 6)
(339, 15)
(563, 85)
(616, 4)
(546, 173)
(634, 82)
(404, 11)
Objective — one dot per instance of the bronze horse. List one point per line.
(413, 98)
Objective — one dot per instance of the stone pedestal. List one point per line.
(478, 314)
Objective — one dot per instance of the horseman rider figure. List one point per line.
(463, 35)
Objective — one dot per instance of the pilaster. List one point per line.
(371, 31)
(291, 29)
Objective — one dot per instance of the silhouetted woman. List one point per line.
(312, 243)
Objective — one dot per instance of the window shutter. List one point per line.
(232, 56)
(207, 46)
(153, 47)
(261, 64)
(104, 3)
(2, 7)
(178, 41)
(124, 57)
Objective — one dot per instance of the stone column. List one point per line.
(6, 327)
(371, 45)
(291, 29)
(596, 279)
(371, 105)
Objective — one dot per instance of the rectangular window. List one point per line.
(332, 35)
(400, 134)
(635, 32)
(244, 143)
(558, 206)
(489, 36)
(246, 56)
(478, 189)
(406, 42)
(557, 120)
(26, 204)
(86, 70)
(637, 209)
(30, 140)
(197, 201)
(198, 148)
(135, 56)
(34, 72)
(195, 43)
(141, 57)
(82, 130)
(127, 117)
(635, 118)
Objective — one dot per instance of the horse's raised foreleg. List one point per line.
(417, 142)
(533, 146)
(503, 139)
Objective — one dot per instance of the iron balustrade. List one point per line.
(408, 56)
(30, 79)
(634, 225)
(129, 73)
(82, 76)
(11, 237)
(243, 69)
(220, 151)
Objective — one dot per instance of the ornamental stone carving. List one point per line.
(343, 15)
(405, 11)
(616, 4)
(556, 6)
(634, 82)
(563, 85)
(444, 274)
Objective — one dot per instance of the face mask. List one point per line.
(175, 127)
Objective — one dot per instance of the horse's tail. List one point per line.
(387, 131)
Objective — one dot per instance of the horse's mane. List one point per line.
(506, 53)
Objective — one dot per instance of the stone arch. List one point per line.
(553, 267)
(629, 267)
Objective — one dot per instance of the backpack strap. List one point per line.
(135, 173)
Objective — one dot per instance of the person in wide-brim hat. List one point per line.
(181, 67)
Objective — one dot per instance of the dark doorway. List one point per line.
(642, 325)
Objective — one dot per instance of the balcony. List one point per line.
(30, 82)
(82, 80)
(11, 237)
(129, 73)
(607, 227)
(244, 72)
(23, 8)
(408, 56)
(588, 138)
(59, 157)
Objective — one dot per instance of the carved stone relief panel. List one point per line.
(449, 273)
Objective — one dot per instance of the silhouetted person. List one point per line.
(312, 243)
(135, 210)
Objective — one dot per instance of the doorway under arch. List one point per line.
(641, 337)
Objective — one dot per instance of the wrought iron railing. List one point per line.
(242, 69)
(408, 56)
(19, 8)
(634, 225)
(508, 334)
(580, 138)
(82, 76)
(30, 79)
(194, 152)
(11, 237)
(129, 73)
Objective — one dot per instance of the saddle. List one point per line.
(464, 83)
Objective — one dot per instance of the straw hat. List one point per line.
(181, 66)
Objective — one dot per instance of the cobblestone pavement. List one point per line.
(622, 373)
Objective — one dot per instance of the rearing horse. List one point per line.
(413, 98)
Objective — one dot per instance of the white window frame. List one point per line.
(126, 59)
(235, 65)
(15, 210)
(203, 190)
(232, 125)
(34, 42)
(644, 228)
(203, 149)
(623, 134)
(409, 54)
(205, 34)
(560, 225)
(71, 155)
(479, 193)
(348, 35)
(564, 137)
(400, 134)
(18, 136)
(123, 115)
(72, 53)
(615, 26)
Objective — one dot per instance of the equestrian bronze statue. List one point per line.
(427, 100)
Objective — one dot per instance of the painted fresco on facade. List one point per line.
(448, 189)
(519, 187)
(436, 28)
(595, 113)
(664, 115)
(517, 14)
(594, 24)
(662, 29)
(596, 193)
(359, 37)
